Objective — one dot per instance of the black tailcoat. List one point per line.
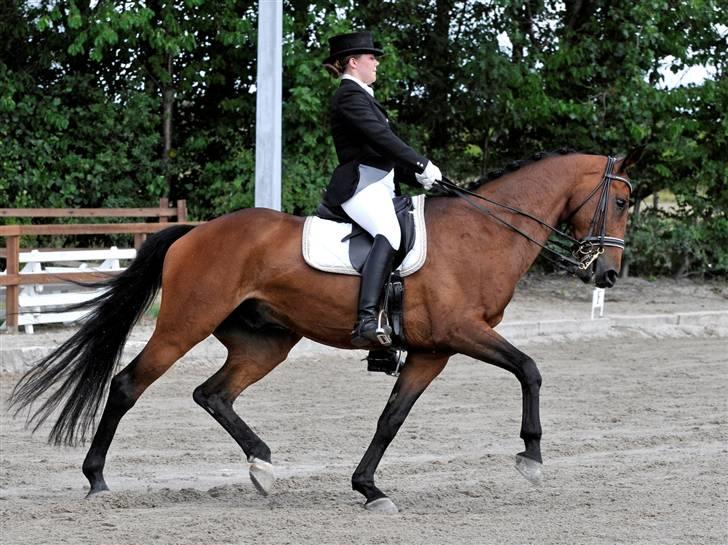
(362, 136)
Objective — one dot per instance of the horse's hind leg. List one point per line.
(196, 299)
(126, 387)
(252, 354)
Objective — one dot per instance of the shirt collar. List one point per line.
(360, 82)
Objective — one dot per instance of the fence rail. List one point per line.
(46, 304)
(90, 212)
(13, 278)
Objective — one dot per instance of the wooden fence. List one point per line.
(13, 279)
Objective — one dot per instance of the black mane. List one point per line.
(515, 165)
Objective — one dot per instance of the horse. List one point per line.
(241, 277)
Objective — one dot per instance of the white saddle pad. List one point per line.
(323, 249)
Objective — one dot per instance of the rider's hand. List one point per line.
(426, 182)
(432, 172)
(429, 176)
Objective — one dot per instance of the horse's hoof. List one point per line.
(261, 473)
(530, 469)
(382, 506)
(100, 492)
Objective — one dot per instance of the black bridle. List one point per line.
(582, 252)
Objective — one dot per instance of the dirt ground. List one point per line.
(635, 446)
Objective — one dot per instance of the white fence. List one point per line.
(42, 303)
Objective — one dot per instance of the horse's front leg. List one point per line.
(418, 372)
(478, 340)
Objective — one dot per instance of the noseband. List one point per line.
(584, 251)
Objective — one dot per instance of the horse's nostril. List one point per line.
(606, 279)
(610, 277)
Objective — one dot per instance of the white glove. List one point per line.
(429, 176)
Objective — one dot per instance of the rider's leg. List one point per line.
(374, 275)
(373, 210)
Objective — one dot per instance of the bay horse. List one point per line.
(242, 278)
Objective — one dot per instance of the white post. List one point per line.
(597, 302)
(268, 105)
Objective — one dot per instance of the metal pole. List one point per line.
(268, 105)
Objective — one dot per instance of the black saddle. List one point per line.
(360, 242)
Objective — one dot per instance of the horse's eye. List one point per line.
(621, 203)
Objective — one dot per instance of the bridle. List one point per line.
(581, 253)
(593, 244)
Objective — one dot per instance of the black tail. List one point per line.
(79, 371)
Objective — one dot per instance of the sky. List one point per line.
(691, 75)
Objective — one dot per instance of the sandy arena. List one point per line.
(635, 442)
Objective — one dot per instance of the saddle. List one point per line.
(332, 242)
(360, 241)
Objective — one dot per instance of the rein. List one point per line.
(583, 252)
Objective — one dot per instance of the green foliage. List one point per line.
(472, 85)
(664, 244)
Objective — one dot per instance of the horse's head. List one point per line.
(598, 219)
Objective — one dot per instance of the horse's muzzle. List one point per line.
(604, 276)
(606, 279)
(605, 272)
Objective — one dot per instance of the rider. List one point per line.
(372, 162)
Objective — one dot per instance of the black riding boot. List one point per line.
(377, 269)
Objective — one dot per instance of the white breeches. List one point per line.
(372, 208)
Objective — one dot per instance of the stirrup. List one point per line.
(384, 330)
(385, 360)
(377, 332)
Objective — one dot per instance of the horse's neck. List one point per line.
(540, 189)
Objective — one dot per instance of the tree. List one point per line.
(116, 104)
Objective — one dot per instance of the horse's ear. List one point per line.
(632, 158)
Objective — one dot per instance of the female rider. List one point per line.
(372, 162)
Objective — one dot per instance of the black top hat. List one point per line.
(351, 44)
